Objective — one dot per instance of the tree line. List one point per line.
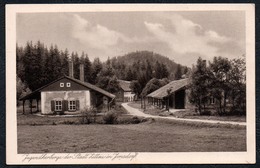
(38, 65)
(224, 81)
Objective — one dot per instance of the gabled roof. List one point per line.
(93, 87)
(36, 93)
(125, 85)
(174, 86)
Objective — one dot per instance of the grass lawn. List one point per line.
(185, 114)
(156, 136)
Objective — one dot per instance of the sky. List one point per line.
(180, 36)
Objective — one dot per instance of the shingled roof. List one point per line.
(125, 85)
(174, 86)
(36, 93)
(93, 87)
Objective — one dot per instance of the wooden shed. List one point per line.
(172, 95)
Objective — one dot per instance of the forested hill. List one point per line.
(37, 65)
(132, 57)
(132, 60)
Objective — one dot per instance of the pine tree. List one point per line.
(65, 62)
(129, 75)
(149, 71)
(107, 79)
(164, 71)
(19, 62)
(158, 70)
(49, 73)
(96, 68)
(32, 63)
(87, 67)
(178, 72)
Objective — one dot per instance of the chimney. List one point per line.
(71, 69)
(81, 72)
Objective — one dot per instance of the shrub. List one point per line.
(237, 111)
(149, 120)
(206, 112)
(35, 124)
(110, 118)
(118, 109)
(88, 115)
(125, 119)
(68, 122)
(135, 120)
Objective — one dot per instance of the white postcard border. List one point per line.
(141, 158)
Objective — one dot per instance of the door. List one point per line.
(180, 99)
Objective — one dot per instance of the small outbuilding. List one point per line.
(125, 93)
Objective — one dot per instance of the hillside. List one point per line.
(132, 58)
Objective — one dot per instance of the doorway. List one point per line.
(180, 99)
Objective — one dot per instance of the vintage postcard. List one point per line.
(130, 84)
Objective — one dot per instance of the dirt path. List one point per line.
(137, 112)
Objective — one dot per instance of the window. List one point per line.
(68, 84)
(61, 84)
(72, 105)
(58, 105)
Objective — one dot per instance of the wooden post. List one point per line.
(168, 104)
(31, 104)
(23, 106)
(141, 102)
(163, 103)
(144, 104)
(37, 101)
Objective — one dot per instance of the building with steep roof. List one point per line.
(125, 93)
(68, 94)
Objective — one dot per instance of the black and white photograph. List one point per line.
(95, 84)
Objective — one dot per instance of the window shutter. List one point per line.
(77, 104)
(65, 105)
(52, 105)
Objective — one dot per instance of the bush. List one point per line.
(118, 109)
(88, 116)
(237, 111)
(206, 112)
(125, 119)
(110, 118)
(135, 120)
(68, 122)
